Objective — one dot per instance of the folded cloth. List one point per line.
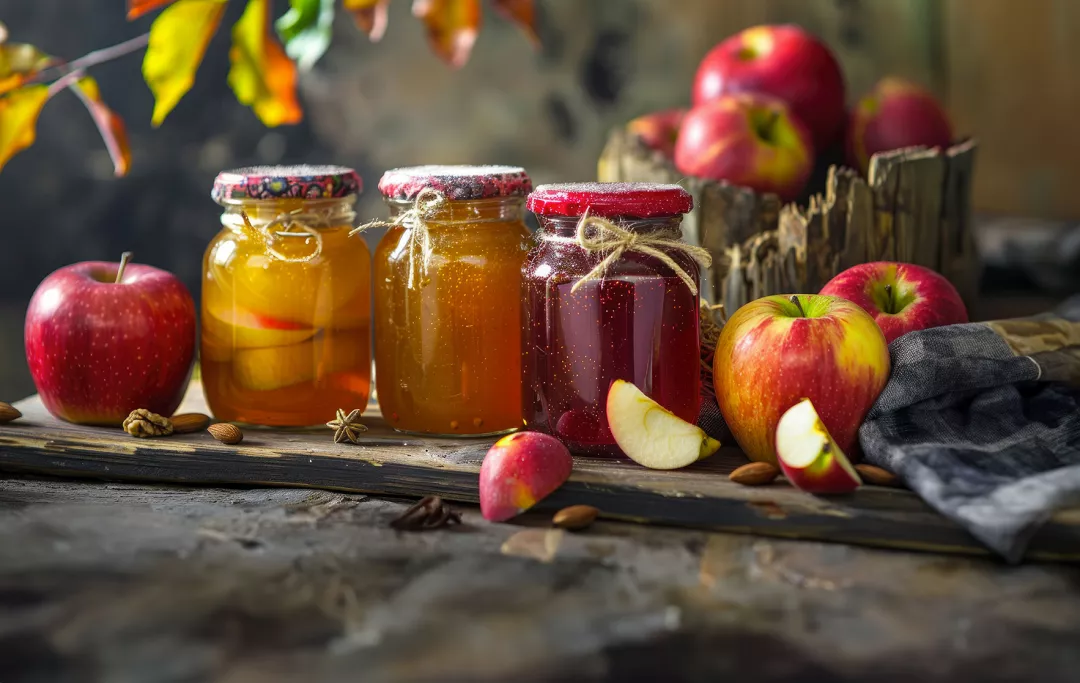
(982, 420)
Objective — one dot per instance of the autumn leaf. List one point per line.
(18, 63)
(262, 76)
(111, 126)
(522, 13)
(178, 40)
(19, 112)
(306, 30)
(452, 27)
(370, 16)
(137, 8)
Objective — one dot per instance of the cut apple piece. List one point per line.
(649, 434)
(265, 369)
(809, 457)
(245, 329)
(520, 470)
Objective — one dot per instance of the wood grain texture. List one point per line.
(388, 463)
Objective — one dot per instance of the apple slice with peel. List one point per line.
(809, 457)
(649, 434)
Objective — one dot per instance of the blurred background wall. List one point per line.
(1005, 69)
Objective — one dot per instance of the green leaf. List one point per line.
(306, 30)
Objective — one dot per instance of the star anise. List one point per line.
(430, 513)
(345, 426)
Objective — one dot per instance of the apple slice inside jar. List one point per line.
(245, 329)
(269, 368)
(651, 435)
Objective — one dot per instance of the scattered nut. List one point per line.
(188, 423)
(142, 423)
(755, 474)
(226, 433)
(872, 474)
(575, 517)
(8, 413)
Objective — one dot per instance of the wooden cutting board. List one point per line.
(388, 463)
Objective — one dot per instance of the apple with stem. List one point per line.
(103, 339)
(809, 456)
(901, 297)
(651, 435)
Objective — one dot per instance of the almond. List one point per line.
(575, 517)
(226, 433)
(755, 474)
(872, 474)
(187, 423)
(8, 413)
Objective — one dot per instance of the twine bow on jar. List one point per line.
(296, 223)
(607, 237)
(428, 203)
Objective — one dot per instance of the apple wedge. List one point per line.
(649, 434)
(809, 457)
(245, 329)
(520, 470)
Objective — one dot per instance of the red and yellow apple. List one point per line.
(901, 297)
(809, 456)
(785, 62)
(103, 339)
(778, 350)
(895, 114)
(658, 130)
(520, 470)
(746, 139)
(651, 435)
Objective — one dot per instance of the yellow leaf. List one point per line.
(137, 8)
(19, 112)
(111, 126)
(522, 13)
(178, 39)
(452, 27)
(370, 16)
(262, 76)
(20, 62)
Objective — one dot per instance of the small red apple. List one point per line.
(901, 297)
(783, 61)
(747, 139)
(519, 471)
(895, 114)
(103, 339)
(658, 130)
(809, 456)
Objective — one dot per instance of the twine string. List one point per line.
(296, 223)
(429, 202)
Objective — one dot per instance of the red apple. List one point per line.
(895, 114)
(658, 130)
(778, 350)
(902, 297)
(783, 61)
(100, 345)
(519, 471)
(747, 139)
(809, 456)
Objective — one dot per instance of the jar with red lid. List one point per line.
(601, 308)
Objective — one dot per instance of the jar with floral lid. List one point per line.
(447, 299)
(610, 292)
(286, 298)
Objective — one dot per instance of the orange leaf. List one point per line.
(522, 13)
(18, 63)
(452, 27)
(370, 16)
(111, 126)
(137, 8)
(262, 76)
(178, 40)
(19, 112)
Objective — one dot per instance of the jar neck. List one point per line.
(468, 211)
(318, 214)
(566, 226)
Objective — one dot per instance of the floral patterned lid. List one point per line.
(637, 200)
(286, 182)
(456, 182)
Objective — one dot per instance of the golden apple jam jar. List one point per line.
(610, 292)
(447, 299)
(286, 298)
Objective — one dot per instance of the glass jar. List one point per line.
(447, 299)
(637, 321)
(286, 298)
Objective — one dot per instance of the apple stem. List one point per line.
(798, 304)
(826, 448)
(892, 303)
(124, 259)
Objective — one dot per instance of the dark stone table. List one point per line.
(118, 582)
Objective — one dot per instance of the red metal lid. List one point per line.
(456, 182)
(636, 200)
(286, 182)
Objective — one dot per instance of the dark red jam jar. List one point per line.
(638, 322)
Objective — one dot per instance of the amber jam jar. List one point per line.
(637, 322)
(286, 298)
(447, 299)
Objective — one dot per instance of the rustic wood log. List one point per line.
(915, 207)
